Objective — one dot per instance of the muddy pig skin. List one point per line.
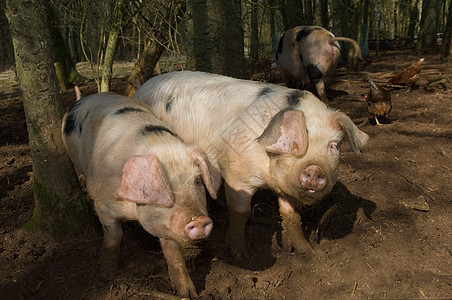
(307, 54)
(258, 136)
(136, 168)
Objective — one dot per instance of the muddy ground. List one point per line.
(390, 237)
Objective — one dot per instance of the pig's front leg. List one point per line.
(292, 234)
(109, 253)
(177, 269)
(239, 210)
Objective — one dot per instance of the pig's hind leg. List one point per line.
(177, 269)
(109, 253)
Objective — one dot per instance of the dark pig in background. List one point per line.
(308, 54)
(259, 136)
(136, 168)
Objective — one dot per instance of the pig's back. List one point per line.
(103, 121)
(202, 107)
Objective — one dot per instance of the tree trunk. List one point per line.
(199, 56)
(6, 45)
(350, 21)
(324, 13)
(428, 27)
(364, 28)
(215, 29)
(107, 65)
(389, 18)
(271, 16)
(144, 67)
(414, 18)
(254, 39)
(60, 206)
(293, 11)
(308, 13)
(446, 47)
(229, 60)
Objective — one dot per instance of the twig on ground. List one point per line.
(438, 79)
(418, 186)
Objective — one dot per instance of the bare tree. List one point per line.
(429, 27)
(161, 37)
(446, 47)
(100, 55)
(64, 65)
(60, 206)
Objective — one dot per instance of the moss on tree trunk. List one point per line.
(107, 66)
(60, 206)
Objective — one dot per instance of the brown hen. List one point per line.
(378, 101)
(407, 76)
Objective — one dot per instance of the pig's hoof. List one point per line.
(237, 246)
(302, 251)
(302, 248)
(187, 290)
(108, 263)
(108, 271)
(183, 283)
(239, 252)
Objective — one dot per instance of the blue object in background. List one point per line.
(364, 41)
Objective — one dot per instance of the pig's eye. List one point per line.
(333, 147)
(198, 182)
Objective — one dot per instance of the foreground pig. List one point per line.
(307, 54)
(137, 169)
(259, 136)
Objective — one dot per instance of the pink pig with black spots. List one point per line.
(307, 55)
(136, 168)
(257, 135)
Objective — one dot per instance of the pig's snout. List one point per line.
(313, 178)
(199, 228)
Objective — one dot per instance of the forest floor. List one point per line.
(391, 235)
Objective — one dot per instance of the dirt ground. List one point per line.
(390, 237)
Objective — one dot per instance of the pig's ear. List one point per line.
(210, 176)
(143, 182)
(356, 138)
(286, 133)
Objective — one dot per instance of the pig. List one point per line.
(257, 135)
(308, 54)
(137, 168)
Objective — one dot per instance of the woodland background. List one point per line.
(46, 43)
(50, 37)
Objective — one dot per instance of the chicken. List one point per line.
(378, 101)
(407, 76)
